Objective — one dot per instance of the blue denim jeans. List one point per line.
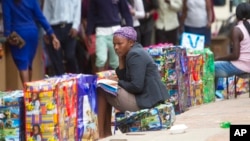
(226, 69)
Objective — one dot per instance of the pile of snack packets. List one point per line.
(12, 116)
(188, 74)
(52, 109)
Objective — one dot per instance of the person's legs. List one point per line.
(68, 45)
(24, 75)
(107, 125)
(207, 36)
(70, 55)
(113, 58)
(23, 57)
(56, 56)
(124, 101)
(104, 114)
(171, 36)
(30, 74)
(101, 52)
(160, 36)
(225, 69)
(146, 38)
(138, 31)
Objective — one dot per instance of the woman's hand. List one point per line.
(55, 42)
(132, 11)
(209, 24)
(73, 33)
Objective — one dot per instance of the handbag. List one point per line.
(160, 117)
(192, 41)
(15, 36)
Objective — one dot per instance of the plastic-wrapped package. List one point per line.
(195, 71)
(87, 122)
(45, 107)
(171, 61)
(208, 76)
(177, 78)
(12, 116)
(62, 108)
(157, 118)
(109, 74)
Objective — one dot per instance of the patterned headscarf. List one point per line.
(127, 32)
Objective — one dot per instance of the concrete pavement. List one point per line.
(203, 123)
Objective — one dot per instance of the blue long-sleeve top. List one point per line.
(22, 15)
(105, 13)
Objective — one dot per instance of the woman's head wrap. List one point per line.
(127, 32)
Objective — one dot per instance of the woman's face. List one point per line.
(34, 96)
(122, 45)
(36, 130)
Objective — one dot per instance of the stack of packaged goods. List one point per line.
(87, 108)
(171, 62)
(109, 74)
(157, 118)
(12, 116)
(208, 76)
(158, 54)
(195, 72)
(57, 108)
(176, 73)
(201, 72)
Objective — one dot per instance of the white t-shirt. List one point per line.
(196, 13)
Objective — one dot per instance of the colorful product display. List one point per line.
(61, 108)
(208, 76)
(87, 122)
(195, 71)
(11, 116)
(205, 79)
(171, 62)
(157, 118)
(109, 74)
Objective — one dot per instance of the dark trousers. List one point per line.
(146, 38)
(137, 29)
(65, 53)
(162, 36)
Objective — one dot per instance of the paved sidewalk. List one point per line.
(203, 123)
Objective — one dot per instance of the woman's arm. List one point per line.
(236, 38)
(137, 71)
(6, 17)
(175, 5)
(183, 13)
(41, 18)
(139, 9)
(209, 12)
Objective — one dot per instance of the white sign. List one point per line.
(193, 41)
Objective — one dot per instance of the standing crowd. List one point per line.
(114, 33)
(90, 24)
